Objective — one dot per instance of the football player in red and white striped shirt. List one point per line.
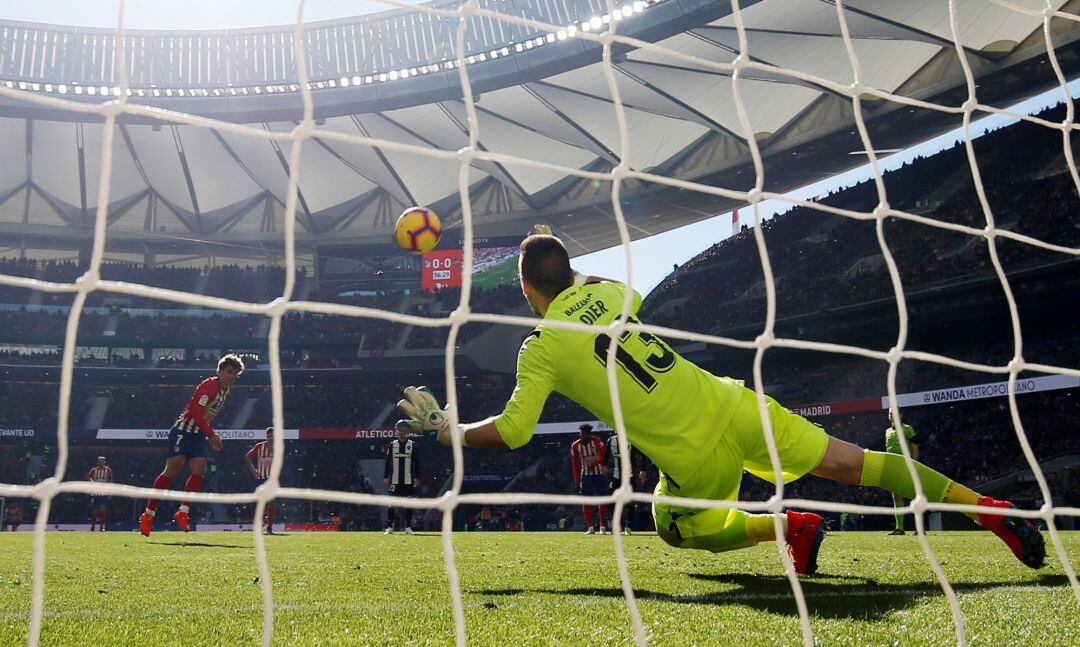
(100, 473)
(587, 464)
(258, 460)
(190, 438)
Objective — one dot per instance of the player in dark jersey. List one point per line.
(613, 465)
(191, 438)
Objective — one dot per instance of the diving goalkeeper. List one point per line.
(700, 430)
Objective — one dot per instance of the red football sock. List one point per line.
(603, 515)
(162, 482)
(588, 515)
(269, 514)
(194, 484)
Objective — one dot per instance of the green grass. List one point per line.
(522, 588)
(505, 272)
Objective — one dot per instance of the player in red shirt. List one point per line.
(587, 464)
(190, 437)
(100, 473)
(258, 459)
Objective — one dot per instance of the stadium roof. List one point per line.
(186, 189)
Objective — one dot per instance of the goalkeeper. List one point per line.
(700, 430)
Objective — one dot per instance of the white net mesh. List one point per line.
(607, 35)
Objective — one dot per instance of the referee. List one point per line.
(401, 476)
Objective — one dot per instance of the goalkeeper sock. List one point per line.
(162, 482)
(889, 472)
(761, 527)
(957, 493)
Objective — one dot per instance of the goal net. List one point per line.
(601, 31)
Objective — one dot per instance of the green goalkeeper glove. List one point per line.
(426, 416)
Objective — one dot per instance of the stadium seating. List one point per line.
(826, 268)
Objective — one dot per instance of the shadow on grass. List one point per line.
(827, 596)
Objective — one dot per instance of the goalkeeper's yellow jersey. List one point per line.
(674, 411)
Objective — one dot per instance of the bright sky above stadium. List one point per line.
(654, 257)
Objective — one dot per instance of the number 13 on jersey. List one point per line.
(640, 355)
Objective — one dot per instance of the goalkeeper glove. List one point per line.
(426, 416)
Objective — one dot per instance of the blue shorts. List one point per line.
(98, 502)
(193, 444)
(594, 485)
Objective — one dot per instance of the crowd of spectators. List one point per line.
(972, 441)
(35, 334)
(259, 283)
(821, 261)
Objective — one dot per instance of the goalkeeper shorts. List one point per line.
(800, 444)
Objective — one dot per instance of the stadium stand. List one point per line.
(829, 272)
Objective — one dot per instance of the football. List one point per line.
(418, 230)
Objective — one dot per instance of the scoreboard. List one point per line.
(442, 269)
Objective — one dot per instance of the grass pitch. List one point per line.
(522, 588)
